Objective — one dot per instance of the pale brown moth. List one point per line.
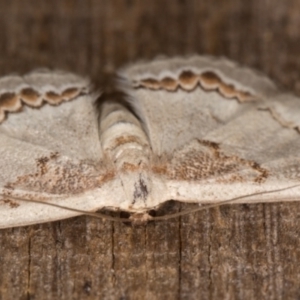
(198, 130)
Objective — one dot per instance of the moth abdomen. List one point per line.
(122, 137)
(126, 144)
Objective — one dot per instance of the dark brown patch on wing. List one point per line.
(9, 102)
(30, 97)
(263, 172)
(42, 164)
(160, 168)
(13, 102)
(70, 93)
(58, 177)
(204, 160)
(11, 203)
(169, 84)
(149, 83)
(210, 80)
(227, 90)
(53, 98)
(188, 80)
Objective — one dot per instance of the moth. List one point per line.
(196, 129)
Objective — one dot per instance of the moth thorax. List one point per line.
(122, 138)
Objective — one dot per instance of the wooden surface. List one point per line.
(230, 252)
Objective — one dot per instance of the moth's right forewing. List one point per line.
(212, 129)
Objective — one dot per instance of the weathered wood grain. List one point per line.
(231, 252)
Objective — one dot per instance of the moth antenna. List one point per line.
(229, 201)
(139, 221)
(87, 213)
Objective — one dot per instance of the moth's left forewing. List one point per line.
(212, 131)
(50, 149)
